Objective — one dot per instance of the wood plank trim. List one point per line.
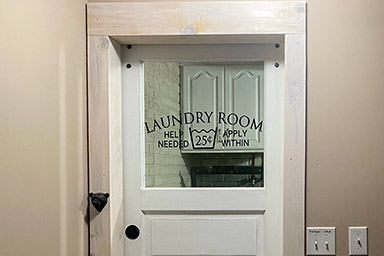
(294, 146)
(196, 18)
(98, 141)
(116, 150)
(105, 144)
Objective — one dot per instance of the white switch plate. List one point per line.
(321, 241)
(358, 243)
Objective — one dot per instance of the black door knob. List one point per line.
(132, 232)
(99, 200)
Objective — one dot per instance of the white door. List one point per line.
(199, 202)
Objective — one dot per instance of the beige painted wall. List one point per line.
(345, 168)
(42, 128)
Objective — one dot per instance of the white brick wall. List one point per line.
(165, 167)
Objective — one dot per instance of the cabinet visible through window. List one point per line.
(222, 106)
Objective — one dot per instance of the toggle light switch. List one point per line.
(358, 243)
(321, 241)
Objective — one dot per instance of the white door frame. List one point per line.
(112, 24)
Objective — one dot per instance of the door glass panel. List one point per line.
(203, 124)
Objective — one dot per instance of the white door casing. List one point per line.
(113, 24)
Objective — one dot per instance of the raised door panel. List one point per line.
(243, 108)
(202, 99)
(202, 234)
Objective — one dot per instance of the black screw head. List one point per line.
(277, 45)
(277, 65)
(129, 46)
(129, 65)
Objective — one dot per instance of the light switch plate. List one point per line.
(321, 241)
(358, 242)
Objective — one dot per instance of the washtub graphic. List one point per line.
(203, 139)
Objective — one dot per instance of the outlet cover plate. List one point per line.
(321, 241)
(358, 243)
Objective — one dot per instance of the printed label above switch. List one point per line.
(321, 241)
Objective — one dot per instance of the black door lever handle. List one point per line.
(99, 200)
